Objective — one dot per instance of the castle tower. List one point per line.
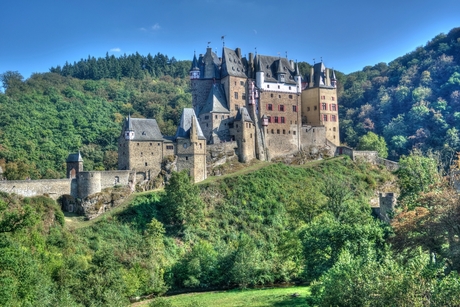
(141, 147)
(191, 146)
(203, 74)
(319, 102)
(74, 165)
(244, 132)
(214, 117)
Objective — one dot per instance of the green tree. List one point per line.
(182, 203)
(372, 141)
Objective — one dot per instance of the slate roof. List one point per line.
(270, 66)
(319, 76)
(209, 65)
(216, 102)
(183, 131)
(74, 157)
(194, 63)
(243, 115)
(145, 129)
(233, 64)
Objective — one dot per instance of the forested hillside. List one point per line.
(309, 225)
(48, 116)
(254, 229)
(414, 101)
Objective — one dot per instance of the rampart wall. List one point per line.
(28, 188)
(366, 156)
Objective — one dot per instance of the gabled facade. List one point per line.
(256, 102)
(142, 148)
(286, 117)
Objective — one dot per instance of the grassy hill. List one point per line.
(238, 230)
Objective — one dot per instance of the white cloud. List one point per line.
(255, 31)
(156, 27)
(115, 50)
(143, 29)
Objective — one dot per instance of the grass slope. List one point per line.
(276, 297)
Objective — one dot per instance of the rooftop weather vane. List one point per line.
(209, 44)
(223, 41)
(286, 55)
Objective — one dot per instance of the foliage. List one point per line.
(128, 66)
(182, 206)
(372, 141)
(415, 175)
(368, 280)
(48, 116)
(411, 101)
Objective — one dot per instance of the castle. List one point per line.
(259, 105)
(256, 107)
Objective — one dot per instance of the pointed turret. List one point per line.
(194, 70)
(129, 130)
(333, 79)
(184, 129)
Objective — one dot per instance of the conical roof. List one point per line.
(183, 131)
(243, 115)
(216, 102)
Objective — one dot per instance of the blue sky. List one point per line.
(348, 35)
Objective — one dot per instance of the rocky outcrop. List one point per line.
(95, 204)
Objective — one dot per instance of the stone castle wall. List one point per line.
(312, 136)
(28, 188)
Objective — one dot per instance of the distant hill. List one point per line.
(414, 101)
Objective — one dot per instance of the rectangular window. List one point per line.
(169, 147)
(243, 96)
(333, 98)
(206, 117)
(316, 108)
(241, 82)
(333, 118)
(290, 96)
(281, 108)
(323, 106)
(269, 119)
(236, 95)
(293, 132)
(284, 131)
(333, 107)
(294, 108)
(282, 119)
(269, 107)
(237, 107)
(277, 131)
(276, 119)
(323, 97)
(325, 117)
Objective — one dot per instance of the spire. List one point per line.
(296, 70)
(194, 62)
(258, 69)
(129, 130)
(130, 125)
(280, 68)
(333, 79)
